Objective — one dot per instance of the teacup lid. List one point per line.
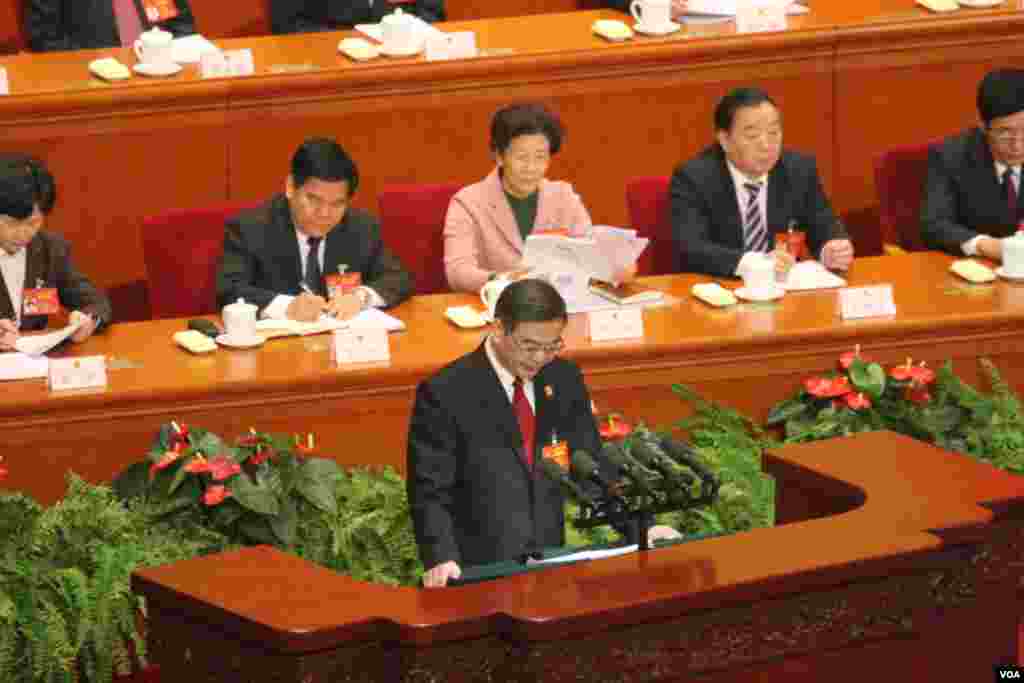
(240, 304)
(157, 35)
(396, 17)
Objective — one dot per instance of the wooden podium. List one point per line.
(892, 559)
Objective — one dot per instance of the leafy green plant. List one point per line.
(933, 406)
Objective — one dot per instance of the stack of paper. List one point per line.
(22, 366)
(603, 255)
(38, 344)
(189, 49)
(811, 275)
(371, 318)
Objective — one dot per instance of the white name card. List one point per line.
(866, 302)
(87, 372)
(5, 88)
(355, 345)
(217, 64)
(458, 45)
(620, 323)
(758, 16)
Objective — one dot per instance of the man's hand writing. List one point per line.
(306, 308)
(8, 334)
(344, 306)
(84, 330)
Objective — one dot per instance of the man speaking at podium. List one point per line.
(478, 428)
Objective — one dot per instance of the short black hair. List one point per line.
(725, 112)
(324, 159)
(529, 301)
(25, 183)
(1000, 93)
(525, 119)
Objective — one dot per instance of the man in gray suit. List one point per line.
(728, 202)
(278, 255)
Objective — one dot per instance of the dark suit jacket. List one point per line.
(962, 194)
(302, 16)
(472, 498)
(706, 219)
(89, 24)
(261, 256)
(48, 258)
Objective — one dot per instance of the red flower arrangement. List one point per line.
(3, 469)
(612, 426)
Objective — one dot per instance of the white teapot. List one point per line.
(154, 46)
(399, 32)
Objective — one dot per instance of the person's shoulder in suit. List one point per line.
(361, 220)
(705, 166)
(798, 164)
(962, 150)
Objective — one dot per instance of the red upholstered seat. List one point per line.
(412, 223)
(899, 181)
(647, 201)
(182, 248)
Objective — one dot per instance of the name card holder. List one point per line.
(621, 323)
(759, 16)
(360, 345)
(458, 45)
(87, 372)
(218, 64)
(5, 87)
(866, 302)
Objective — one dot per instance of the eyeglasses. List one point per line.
(532, 348)
(1005, 135)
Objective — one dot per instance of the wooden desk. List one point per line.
(850, 77)
(749, 356)
(889, 578)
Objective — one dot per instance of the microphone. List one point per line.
(614, 454)
(684, 455)
(584, 468)
(650, 458)
(557, 474)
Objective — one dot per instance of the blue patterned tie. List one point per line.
(755, 236)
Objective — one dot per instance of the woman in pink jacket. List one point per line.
(488, 221)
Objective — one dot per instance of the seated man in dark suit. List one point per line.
(36, 263)
(729, 201)
(303, 16)
(476, 493)
(972, 194)
(277, 255)
(93, 24)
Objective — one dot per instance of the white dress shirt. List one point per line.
(739, 180)
(507, 379)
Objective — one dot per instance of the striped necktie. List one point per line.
(755, 236)
(1010, 189)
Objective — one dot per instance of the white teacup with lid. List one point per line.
(155, 47)
(1013, 255)
(491, 291)
(398, 32)
(759, 276)
(653, 15)
(239, 321)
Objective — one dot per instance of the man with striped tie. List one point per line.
(728, 202)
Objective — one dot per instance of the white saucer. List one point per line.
(670, 27)
(251, 343)
(979, 3)
(771, 295)
(401, 51)
(147, 69)
(1012, 278)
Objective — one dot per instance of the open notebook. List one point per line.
(370, 318)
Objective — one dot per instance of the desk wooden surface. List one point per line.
(749, 356)
(851, 78)
(911, 577)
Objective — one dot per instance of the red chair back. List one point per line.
(647, 201)
(182, 248)
(412, 223)
(899, 181)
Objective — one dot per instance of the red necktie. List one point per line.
(524, 413)
(129, 26)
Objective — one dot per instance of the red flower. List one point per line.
(846, 360)
(165, 461)
(197, 465)
(825, 387)
(614, 427)
(917, 374)
(222, 467)
(3, 469)
(918, 393)
(215, 494)
(262, 454)
(857, 400)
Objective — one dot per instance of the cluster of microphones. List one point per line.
(655, 474)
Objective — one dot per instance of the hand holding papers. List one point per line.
(38, 344)
(604, 255)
